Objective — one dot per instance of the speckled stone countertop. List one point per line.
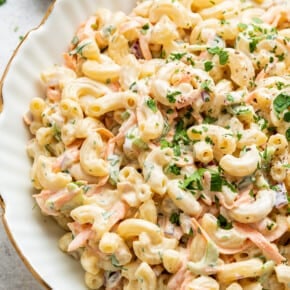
(16, 18)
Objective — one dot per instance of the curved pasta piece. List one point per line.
(46, 175)
(146, 277)
(203, 282)
(111, 102)
(205, 4)
(59, 75)
(134, 227)
(174, 10)
(164, 31)
(155, 178)
(268, 249)
(102, 220)
(222, 10)
(100, 72)
(223, 140)
(183, 199)
(152, 254)
(229, 239)
(245, 269)
(242, 70)
(90, 156)
(150, 122)
(242, 166)
(82, 87)
(251, 137)
(255, 211)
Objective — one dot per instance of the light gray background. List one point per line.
(16, 18)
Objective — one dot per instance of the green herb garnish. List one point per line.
(216, 181)
(222, 54)
(206, 85)
(171, 96)
(281, 103)
(174, 169)
(145, 28)
(151, 104)
(75, 40)
(176, 55)
(208, 66)
(223, 223)
(175, 218)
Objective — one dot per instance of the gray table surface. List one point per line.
(16, 18)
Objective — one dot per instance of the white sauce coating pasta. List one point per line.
(162, 146)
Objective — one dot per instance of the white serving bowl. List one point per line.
(34, 236)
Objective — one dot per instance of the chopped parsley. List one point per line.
(115, 262)
(138, 142)
(223, 223)
(209, 120)
(253, 44)
(56, 132)
(145, 28)
(125, 115)
(176, 55)
(287, 134)
(216, 181)
(239, 135)
(79, 49)
(180, 133)
(222, 54)
(281, 103)
(286, 117)
(257, 20)
(75, 40)
(164, 144)
(133, 87)
(193, 182)
(151, 104)
(242, 26)
(230, 98)
(174, 169)
(171, 96)
(206, 85)
(175, 218)
(208, 140)
(281, 56)
(208, 65)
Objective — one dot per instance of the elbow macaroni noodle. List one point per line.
(162, 146)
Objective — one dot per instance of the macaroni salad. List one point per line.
(162, 146)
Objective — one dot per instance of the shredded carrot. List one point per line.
(82, 234)
(261, 242)
(189, 100)
(41, 199)
(244, 197)
(119, 211)
(178, 278)
(261, 75)
(70, 61)
(222, 250)
(131, 121)
(66, 159)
